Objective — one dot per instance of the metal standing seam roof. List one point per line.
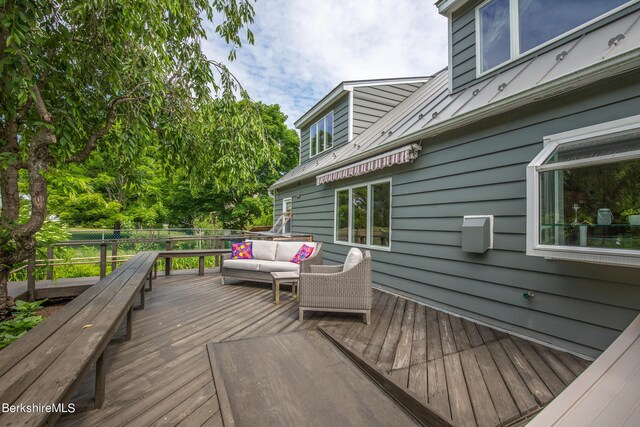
(612, 48)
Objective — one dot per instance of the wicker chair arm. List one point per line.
(326, 268)
(314, 259)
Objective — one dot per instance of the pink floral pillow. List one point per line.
(242, 250)
(304, 253)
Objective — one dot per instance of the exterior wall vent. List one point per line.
(477, 233)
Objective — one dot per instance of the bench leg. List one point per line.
(150, 288)
(367, 317)
(141, 306)
(201, 266)
(101, 374)
(155, 270)
(129, 324)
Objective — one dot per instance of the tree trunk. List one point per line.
(116, 229)
(5, 300)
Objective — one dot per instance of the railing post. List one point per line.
(31, 276)
(167, 260)
(103, 259)
(50, 262)
(114, 254)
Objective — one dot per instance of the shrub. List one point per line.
(24, 319)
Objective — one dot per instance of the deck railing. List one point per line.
(105, 259)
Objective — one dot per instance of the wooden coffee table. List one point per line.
(284, 278)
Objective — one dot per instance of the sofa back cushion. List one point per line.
(354, 257)
(264, 249)
(287, 250)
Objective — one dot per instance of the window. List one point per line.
(509, 28)
(363, 215)
(321, 135)
(583, 196)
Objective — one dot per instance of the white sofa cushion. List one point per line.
(243, 264)
(271, 266)
(264, 249)
(353, 258)
(287, 250)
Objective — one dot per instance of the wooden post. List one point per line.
(101, 380)
(31, 276)
(150, 288)
(103, 259)
(50, 262)
(167, 260)
(114, 253)
(201, 266)
(129, 323)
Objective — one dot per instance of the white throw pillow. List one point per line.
(353, 258)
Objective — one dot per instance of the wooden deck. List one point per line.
(471, 373)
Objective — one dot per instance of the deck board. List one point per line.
(162, 375)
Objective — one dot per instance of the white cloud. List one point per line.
(304, 48)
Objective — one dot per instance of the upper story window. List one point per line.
(321, 135)
(510, 28)
(583, 195)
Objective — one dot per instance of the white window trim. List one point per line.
(350, 219)
(625, 257)
(323, 119)
(515, 32)
(284, 204)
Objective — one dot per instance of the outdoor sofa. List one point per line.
(268, 257)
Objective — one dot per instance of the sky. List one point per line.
(305, 48)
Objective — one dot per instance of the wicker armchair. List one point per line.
(328, 288)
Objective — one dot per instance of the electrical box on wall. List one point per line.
(477, 233)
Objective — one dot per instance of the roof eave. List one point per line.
(617, 65)
(447, 7)
(323, 103)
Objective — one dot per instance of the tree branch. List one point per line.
(111, 118)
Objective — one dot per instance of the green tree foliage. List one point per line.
(242, 205)
(72, 70)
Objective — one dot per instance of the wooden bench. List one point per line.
(199, 253)
(47, 365)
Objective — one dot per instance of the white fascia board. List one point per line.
(324, 103)
(571, 82)
(447, 7)
(380, 82)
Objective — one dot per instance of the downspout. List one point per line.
(273, 207)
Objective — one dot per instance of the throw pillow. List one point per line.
(241, 250)
(303, 253)
(353, 258)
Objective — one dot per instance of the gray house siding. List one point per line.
(372, 102)
(463, 45)
(481, 170)
(340, 110)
